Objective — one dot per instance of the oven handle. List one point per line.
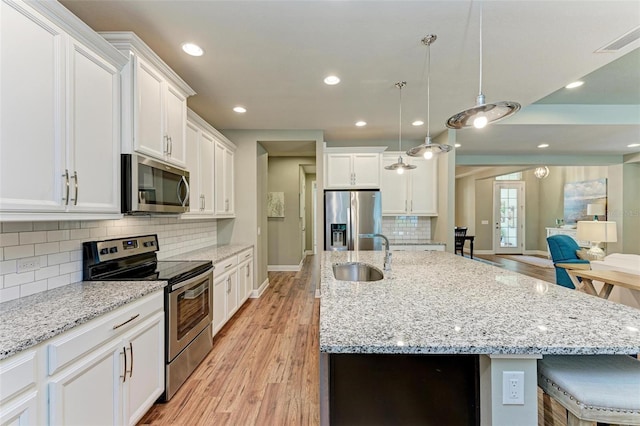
(191, 280)
(193, 293)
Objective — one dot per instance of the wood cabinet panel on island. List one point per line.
(415, 192)
(61, 100)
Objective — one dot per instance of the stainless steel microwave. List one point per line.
(149, 186)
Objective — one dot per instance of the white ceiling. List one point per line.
(271, 57)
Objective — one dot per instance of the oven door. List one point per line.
(190, 310)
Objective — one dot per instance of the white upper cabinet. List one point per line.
(224, 178)
(415, 192)
(60, 116)
(352, 168)
(200, 160)
(154, 102)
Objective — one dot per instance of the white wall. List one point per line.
(58, 247)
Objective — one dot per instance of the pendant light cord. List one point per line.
(400, 122)
(428, 90)
(480, 90)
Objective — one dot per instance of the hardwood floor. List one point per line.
(263, 369)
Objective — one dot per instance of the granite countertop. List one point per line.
(213, 253)
(33, 319)
(424, 243)
(436, 302)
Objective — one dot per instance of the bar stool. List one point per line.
(593, 388)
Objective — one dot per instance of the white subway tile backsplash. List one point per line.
(10, 239)
(47, 272)
(8, 267)
(33, 288)
(17, 227)
(57, 235)
(17, 252)
(33, 237)
(47, 248)
(11, 280)
(10, 293)
(407, 229)
(60, 251)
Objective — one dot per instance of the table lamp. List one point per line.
(597, 232)
(595, 210)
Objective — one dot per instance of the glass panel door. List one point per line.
(508, 217)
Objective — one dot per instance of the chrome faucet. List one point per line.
(387, 253)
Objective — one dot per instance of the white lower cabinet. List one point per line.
(108, 371)
(117, 382)
(245, 275)
(232, 284)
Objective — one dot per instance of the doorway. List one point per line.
(508, 217)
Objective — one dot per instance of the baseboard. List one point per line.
(255, 294)
(308, 252)
(542, 253)
(482, 252)
(317, 293)
(284, 268)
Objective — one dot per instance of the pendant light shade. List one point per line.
(482, 113)
(400, 166)
(541, 172)
(428, 149)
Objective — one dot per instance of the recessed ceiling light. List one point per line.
(633, 145)
(574, 85)
(192, 49)
(543, 145)
(418, 123)
(361, 123)
(457, 145)
(240, 109)
(331, 80)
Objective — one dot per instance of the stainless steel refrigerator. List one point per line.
(347, 214)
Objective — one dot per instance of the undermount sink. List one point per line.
(356, 271)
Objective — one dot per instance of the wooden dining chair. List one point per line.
(460, 234)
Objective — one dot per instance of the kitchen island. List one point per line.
(436, 303)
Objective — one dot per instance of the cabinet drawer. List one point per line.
(247, 254)
(225, 265)
(67, 348)
(17, 374)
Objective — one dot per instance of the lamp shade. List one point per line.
(595, 209)
(597, 231)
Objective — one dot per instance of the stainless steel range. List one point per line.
(188, 297)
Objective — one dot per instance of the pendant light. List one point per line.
(428, 148)
(400, 166)
(541, 172)
(482, 114)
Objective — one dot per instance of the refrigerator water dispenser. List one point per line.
(338, 235)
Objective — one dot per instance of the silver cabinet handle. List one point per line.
(75, 179)
(170, 146)
(131, 351)
(166, 145)
(412, 206)
(248, 255)
(66, 178)
(115, 327)
(247, 270)
(228, 266)
(229, 284)
(124, 374)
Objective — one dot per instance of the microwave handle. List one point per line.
(186, 197)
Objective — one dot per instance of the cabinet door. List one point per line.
(366, 169)
(146, 368)
(89, 393)
(245, 279)
(94, 132)
(21, 412)
(229, 182)
(31, 111)
(232, 293)
(339, 173)
(192, 157)
(207, 156)
(423, 187)
(393, 188)
(176, 120)
(148, 111)
(219, 302)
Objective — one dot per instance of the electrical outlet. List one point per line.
(513, 387)
(28, 264)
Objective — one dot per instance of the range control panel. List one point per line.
(124, 247)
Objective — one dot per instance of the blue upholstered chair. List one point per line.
(563, 251)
